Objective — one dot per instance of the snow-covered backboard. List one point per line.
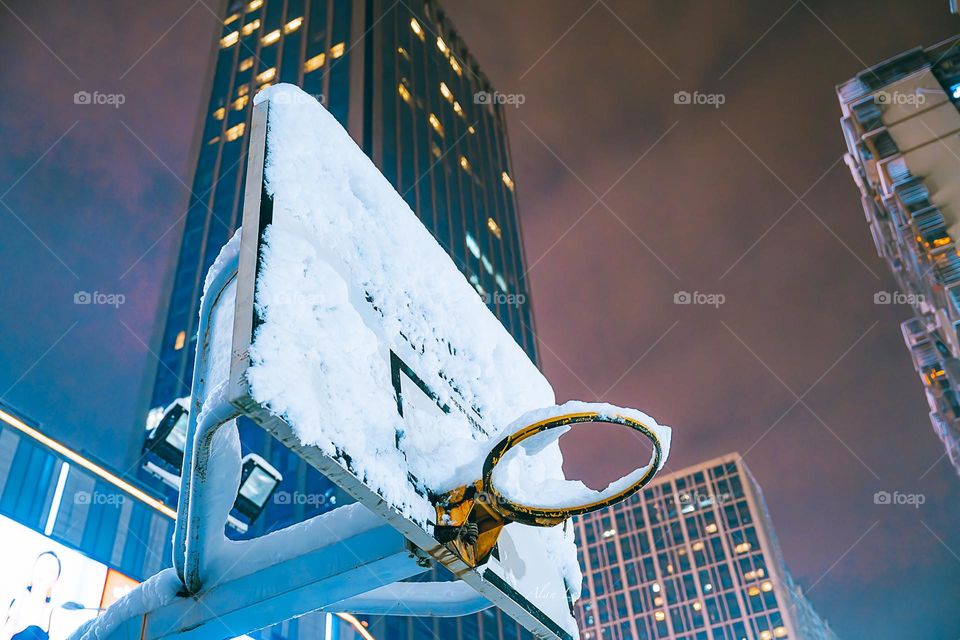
(359, 344)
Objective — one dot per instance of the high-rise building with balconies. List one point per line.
(691, 557)
(901, 123)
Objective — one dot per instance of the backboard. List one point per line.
(360, 344)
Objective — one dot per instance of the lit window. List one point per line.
(293, 25)
(471, 129)
(489, 267)
(457, 109)
(502, 283)
(609, 533)
(955, 91)
(658, 601)
(780, 632)
(404, 93)
(337, 50)
(754, 591)
(766, 635)
(245, 64)
(708, 587)
(435, 123)
(253, 5)
(655, 588)
(766, 587)
(697, 606)
(231, 19)
(250, 27)
(403, 52)
(240, 103)
(445, 92)
(659, 616)
(940, 242)
(711, 528)
(243, 90)
(669, 568)
(750, 575)
(180, 340)
(698, 546)
(234, 132)
(267, 75)
(314, 63)
(417, 29)
(435, 150)
(220, 113)
(213, 140)
(229, 40)
(475, 250)
(455, 66)
(464, 164)
(507, 180)
(271, 37)
(743, 547)
(494, 227)
(442, 46)
(761, 573)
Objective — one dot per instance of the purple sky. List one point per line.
(798, 369)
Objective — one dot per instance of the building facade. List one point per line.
(403, 84)
(900, 122)
(693, 556)
(401, 81)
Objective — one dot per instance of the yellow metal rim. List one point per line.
(542, 516)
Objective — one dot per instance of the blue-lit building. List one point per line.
(401, 81)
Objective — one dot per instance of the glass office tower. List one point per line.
(401, 81)
(900, 123)
(691, 557)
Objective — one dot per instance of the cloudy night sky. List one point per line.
(626, 198)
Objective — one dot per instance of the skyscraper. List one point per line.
(900, 123)
(404, 85)
(693, 556)
(402, 82)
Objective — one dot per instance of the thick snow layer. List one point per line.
(155, 592)
(510, 479)
(349, 274)
(349, 281)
